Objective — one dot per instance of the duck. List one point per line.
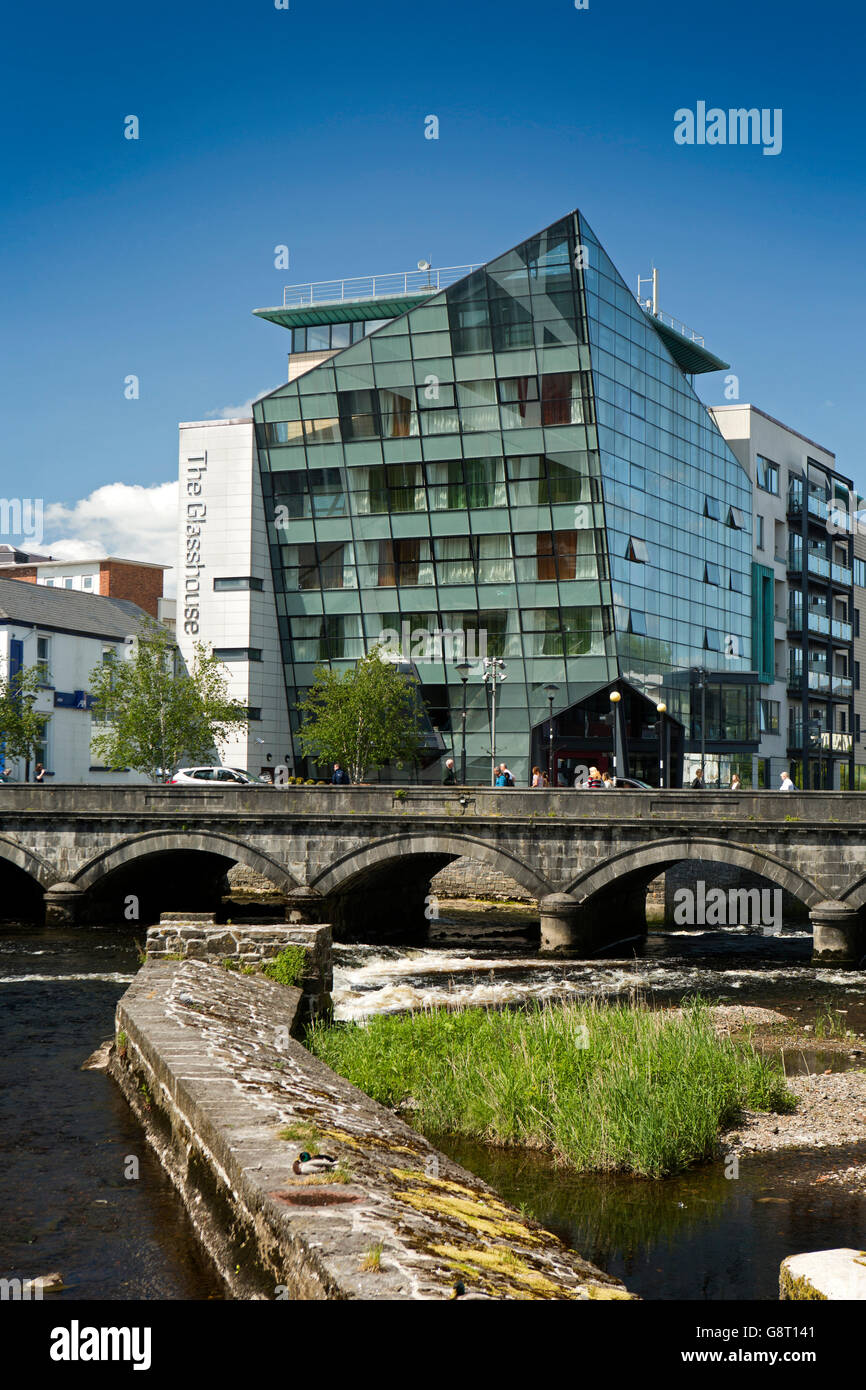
(313, 1163)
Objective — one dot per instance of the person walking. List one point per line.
(787, 784)
(697, 783)
(735, 783)
(448, 778)
(39, 774)
(607, 782)
(545, 781)
(504, 777)
(536, 778)
(340, 777)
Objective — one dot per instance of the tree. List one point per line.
(152, 715)
(365, 717)
(21, 728)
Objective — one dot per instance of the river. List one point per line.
(66, 1135)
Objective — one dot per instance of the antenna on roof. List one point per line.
(651, 305)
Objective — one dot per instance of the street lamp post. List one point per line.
(615, 698)
(702, 687)
(463, 669)
(494, 671)
(661, 710)
(550, 691)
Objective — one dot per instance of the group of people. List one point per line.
(698, 784)
(39, 774)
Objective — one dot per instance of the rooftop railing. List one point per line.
(394, 285)
(678, 326)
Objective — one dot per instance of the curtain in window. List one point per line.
(556, 392)
(495, 565)
(387, 572)
(399, 417)
(454, 560)
(485, 482)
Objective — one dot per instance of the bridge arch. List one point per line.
(389, 851)
(157, 842)
(29, 863)
(167, 871)
(24, 877)
(648, 860)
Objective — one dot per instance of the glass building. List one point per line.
(517, 466)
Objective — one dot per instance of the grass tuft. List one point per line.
(602, 1087)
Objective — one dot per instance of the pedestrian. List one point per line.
(341, 777)
(39, 773)
(735, 782)
(536, 778)
(594, 779)
(608, 782)
(545, 781)
(504, 777)
(697, 784)
(787, 784)
(448, 778)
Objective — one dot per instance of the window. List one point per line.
(769, 711)
(636, 550)
(713, 508)
(737, 583)
(856, 675)
(238, 653)
(712, 641)
(759, 532)
(40, 749)
(857, 728)
(637, 623)
(736, 519)
(67, 583)
(557, 555)
(856, 622)
(241, 581)
(860, 573)
(768, 475)
(712, 574)
(43, 659)
(254, 712)
(87, 581)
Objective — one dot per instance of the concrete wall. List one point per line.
(243, 945)
(206, 1060)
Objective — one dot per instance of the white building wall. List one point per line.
(222, 529)
(72, 659)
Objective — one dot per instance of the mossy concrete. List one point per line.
(210, 1066)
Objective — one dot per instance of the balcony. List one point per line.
(842, 687)
(397, 285)
(827, 741)
(840, 574)
(841, 631)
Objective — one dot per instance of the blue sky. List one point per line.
(305, 126)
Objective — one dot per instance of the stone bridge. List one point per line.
(362, 857)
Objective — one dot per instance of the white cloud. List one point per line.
(128, 520)
(234, 412)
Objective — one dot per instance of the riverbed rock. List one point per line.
(45, 1283)
(98, 1060)
(824, 1275)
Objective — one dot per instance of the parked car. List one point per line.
(633, 784)
(226, 776)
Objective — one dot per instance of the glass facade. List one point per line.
(517, 467)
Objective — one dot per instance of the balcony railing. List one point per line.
(840, 574)
(392, 286)
(826, 740)
(843, 632)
